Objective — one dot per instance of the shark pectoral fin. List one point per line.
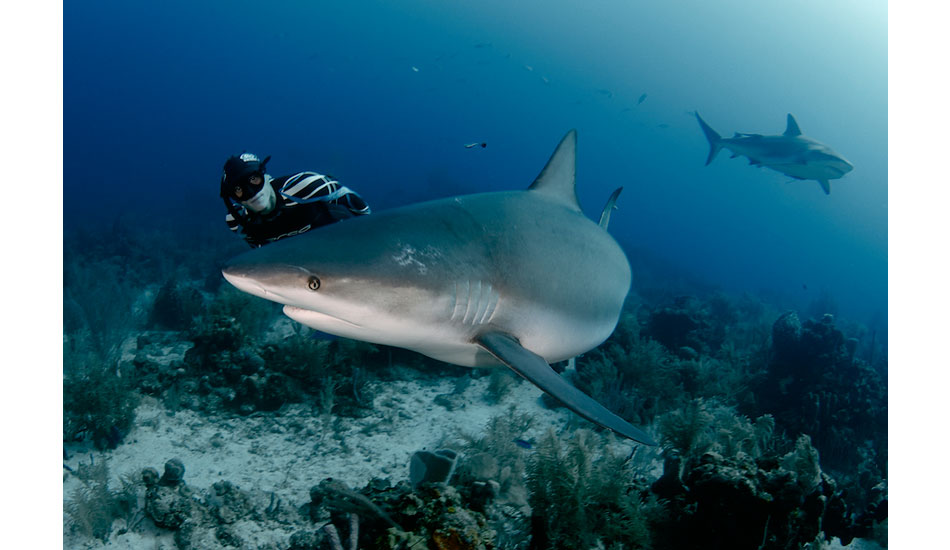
(536, 370)
(825, 186)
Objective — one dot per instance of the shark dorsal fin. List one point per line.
(556, 180)
(792, 129)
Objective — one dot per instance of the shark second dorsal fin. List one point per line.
(556, 180)
(792, 129)
(609, 208)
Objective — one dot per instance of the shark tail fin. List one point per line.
(609, 208)
(714, 139)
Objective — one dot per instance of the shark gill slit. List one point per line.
(455, 301)
(490, 304)
(473, 294)
(484, 293)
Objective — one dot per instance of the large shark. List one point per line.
(517, 278)
(790, 153)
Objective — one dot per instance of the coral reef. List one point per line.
(687, 327)
(726, 484)
(209, 518)
(816, 386)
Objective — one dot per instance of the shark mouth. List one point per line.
(316, 319)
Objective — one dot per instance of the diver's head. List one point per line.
(244, 181)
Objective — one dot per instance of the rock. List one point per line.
(228, 503)
(303, 540)
(669, 484)
(150, 477)
(786, 333)
(167, 506)
(803, 462)
(174, 473)
(431, 467)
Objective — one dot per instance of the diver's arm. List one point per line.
(308, 187)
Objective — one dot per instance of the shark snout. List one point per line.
(273, 282)
(846, 166)
(244, 280)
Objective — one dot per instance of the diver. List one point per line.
(264, 209)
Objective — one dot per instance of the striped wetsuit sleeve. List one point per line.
(233, 224)
(307, 187)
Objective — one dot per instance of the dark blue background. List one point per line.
(158, 95)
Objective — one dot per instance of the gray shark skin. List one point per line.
(515, 278)
(790, 153)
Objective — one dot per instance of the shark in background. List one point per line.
(790, 153)
(512, 278)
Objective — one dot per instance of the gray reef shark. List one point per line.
(790, 153)
(518, 278)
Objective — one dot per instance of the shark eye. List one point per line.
(313, 283)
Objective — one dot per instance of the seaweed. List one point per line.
(582, 495)
(685, 430)
(253, 315)
(176, 305)
(495, 456)
(102, 324)
(93, 508)
(98, 401)
(631, 375)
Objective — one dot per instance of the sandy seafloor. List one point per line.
(281, 455)
(288, 452)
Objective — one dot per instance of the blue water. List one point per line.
(383, 95)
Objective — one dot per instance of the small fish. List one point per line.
(663, 125)
(528, 68)
(522, 443)
(642, 97)
(476, 144)
(804, 286)
(415, 69)
(606, 92)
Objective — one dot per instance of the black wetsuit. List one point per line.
(304, 200)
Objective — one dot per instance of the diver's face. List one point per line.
(242, 192)
(258, 196)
